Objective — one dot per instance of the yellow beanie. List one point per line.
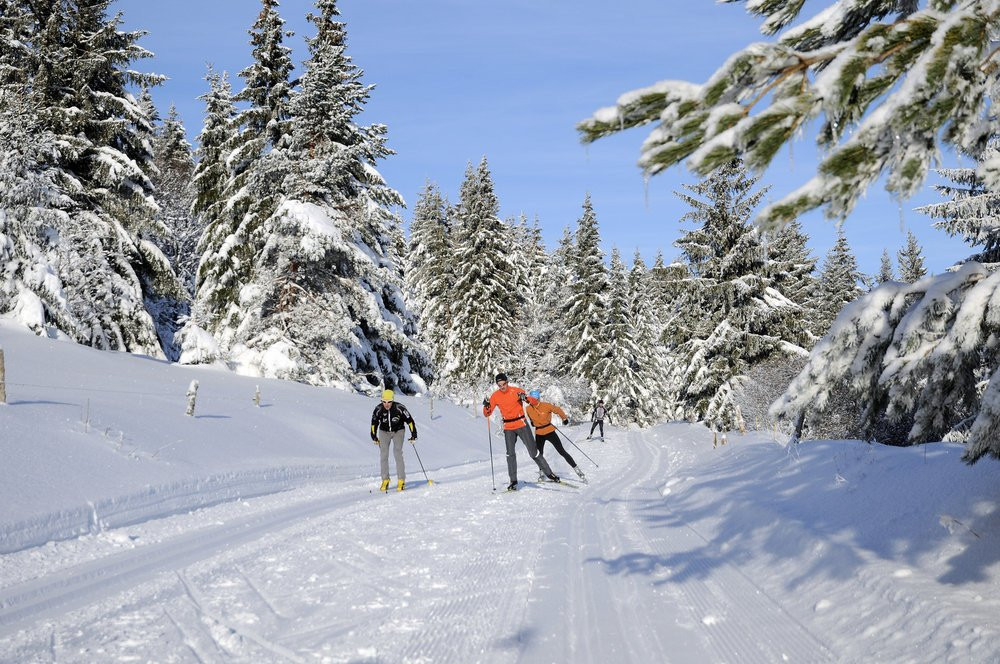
(387, 395)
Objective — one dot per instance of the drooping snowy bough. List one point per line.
(890, 80)
(926, 350)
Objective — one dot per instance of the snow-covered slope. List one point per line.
(252, 534)
(93, 440)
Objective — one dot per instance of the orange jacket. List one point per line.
(509, 403)
(540, 413)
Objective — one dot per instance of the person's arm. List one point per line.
(561, 413)
(374, 431)
(488, 406)
(408, 420)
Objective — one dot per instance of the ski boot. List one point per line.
(512, 486)
(385, 486)
(579, 473)
(553, 477)
(400, 484)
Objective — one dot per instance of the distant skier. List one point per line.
(540, 413)
(597, 417)
(388, 420)
(510, 402)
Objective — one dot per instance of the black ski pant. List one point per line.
(553, 437)
(597, 423)
(510, 437)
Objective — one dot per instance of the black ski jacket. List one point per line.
(392, 419)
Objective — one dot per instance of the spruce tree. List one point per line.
(583, 313)
(171, 176)
(555, 294)
(911, 260)
(31, 289)
(973, 209)
(633, 360)
(838, 283)
(430, 270)
(234, 239)
(791, 268)
(885, 272)
(735, 318)
(326, 299)
(76, 68)
(488, 297)
(216, 281)
(534, 328)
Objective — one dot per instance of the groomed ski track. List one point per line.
(452, 572)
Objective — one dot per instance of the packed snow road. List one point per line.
(449, 572)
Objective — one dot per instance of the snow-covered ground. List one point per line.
(132, 532)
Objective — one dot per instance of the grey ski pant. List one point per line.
(396, 438)
(510, 437)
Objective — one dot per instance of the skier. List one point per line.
(509, 400)
(597, 417)
(540, 413)
(388, 420)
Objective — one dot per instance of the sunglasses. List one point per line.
(501, 383)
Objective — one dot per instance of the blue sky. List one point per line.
(459, 79)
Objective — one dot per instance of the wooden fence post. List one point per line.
(3, 380)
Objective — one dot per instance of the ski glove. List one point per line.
(413, 440)
(486, 403)
(374, 441)
(565, 422)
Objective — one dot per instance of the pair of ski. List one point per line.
(549, 485)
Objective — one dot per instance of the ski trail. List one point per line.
(81, 584)
(733, 616)
(718, 615)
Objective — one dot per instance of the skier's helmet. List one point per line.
(535, 394)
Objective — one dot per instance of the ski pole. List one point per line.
(429, 480)
(489, 435)
(575, 445)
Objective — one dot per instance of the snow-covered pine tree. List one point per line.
(488, 296)
(619, 355)
(838, 283)
(532, 260)
(921, 354)
(739, 320)
(31, 220)
(790, 266)
(654, 363)
(233, 241)
(911, 260)
(929, 73)
(584, 312)
(973, 211)
(77, 65)
(175, 166)
(429, 270)
(171, 177)
(885, 272)
(324, 302)
(633, 360)
(215, 279)
(554, 291)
